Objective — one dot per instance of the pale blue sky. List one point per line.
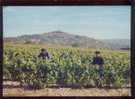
(102, 22)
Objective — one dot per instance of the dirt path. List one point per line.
(66, 92)
(12, 89)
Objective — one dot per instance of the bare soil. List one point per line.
(13, 89)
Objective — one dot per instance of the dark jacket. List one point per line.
(44, 55)
(98, 61)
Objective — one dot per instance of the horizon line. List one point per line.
(59, 31)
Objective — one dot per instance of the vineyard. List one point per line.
(73, 68)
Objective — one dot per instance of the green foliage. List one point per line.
(73, 67)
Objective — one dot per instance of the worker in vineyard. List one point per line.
(44, 54)
(98, 60)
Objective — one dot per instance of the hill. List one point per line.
(60, 38)
(118, 43)
(68, 39)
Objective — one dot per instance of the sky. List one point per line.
(100, 22)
